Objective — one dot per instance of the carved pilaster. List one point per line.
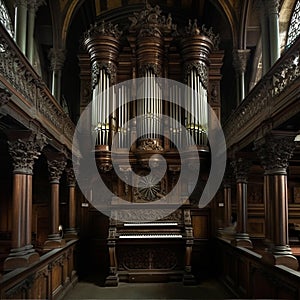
(240, 59)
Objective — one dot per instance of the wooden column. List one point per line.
(240, 59)
(241, 168)
(56, 165)
(24, 148)
(274, 151)
(71, 232)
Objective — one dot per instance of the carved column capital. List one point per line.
(18, 3)
(5, 96)
(35, 4)
(272, 7)
(71, 179)
(57, 58)
(24, 152)
(240, 59)
(55, 168)
(275, 152)
(241, 168)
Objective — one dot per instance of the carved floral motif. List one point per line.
(150, 21)
(265, 95)
(24, 154)
(148, 258)
(150, 145)
(55, 168)
(275, 152)
(241, 169)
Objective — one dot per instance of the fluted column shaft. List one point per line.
(56, 166)
(272, 11)
(57, 58)
(227, 203)
(21, 24)
(240, 59)
(71, 181)
(241, 169)
(274, 153)
(23, 152)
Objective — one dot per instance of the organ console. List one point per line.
(153, 240)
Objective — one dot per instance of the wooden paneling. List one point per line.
(244, 272)
(50, 278)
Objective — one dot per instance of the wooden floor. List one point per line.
(207, 289)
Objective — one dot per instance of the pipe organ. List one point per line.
(152, 47)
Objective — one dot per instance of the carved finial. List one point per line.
(103, 28)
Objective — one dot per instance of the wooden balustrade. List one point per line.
(30, 102)
(244, 273)
(49, 278)
(273, 100)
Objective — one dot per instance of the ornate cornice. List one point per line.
(275, 152)
(23, 153)
(55, 168)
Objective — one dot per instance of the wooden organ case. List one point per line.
(157, 247)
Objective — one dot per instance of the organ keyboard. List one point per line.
(147, 251)
(150, 236)
(150, 224)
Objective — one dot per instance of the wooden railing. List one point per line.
(50, 278)
(29, 94)
(247, 276)
(273, 101)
